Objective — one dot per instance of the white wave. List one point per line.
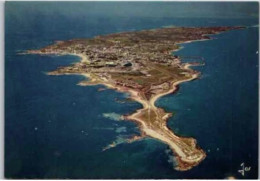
(171, 157)
(113, 116)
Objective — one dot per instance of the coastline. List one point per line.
(182, 158)
(151, 120)
(183, 161)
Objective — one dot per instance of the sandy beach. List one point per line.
(162, 133)
(188, 154)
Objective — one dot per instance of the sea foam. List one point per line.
(113, 116)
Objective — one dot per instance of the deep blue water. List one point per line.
(56, 129)
(220, 109)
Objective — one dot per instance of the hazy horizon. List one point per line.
(137, 9)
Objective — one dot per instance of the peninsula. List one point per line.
(142, 64)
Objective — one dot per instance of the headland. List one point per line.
(140, 63)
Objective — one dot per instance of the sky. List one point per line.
(137, 9)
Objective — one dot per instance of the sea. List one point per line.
(55, 128)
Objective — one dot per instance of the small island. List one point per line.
(142, 64)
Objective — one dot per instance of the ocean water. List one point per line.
(57, 129)
(220, 109)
